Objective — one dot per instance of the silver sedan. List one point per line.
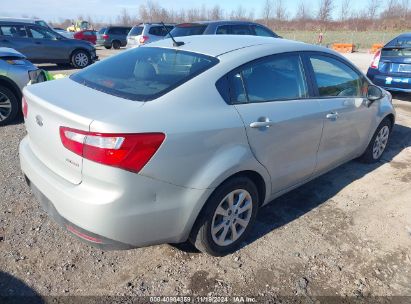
(186, 141)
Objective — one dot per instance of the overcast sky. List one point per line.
(107, 10)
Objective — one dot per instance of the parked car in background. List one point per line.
(43, 45)
(147, 32)
(87, 35)
(201, 137)
(391, 66)
(113, 36)
(222, 28)
(63, 32)
(15, 73)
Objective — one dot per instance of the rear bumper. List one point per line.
(136, 212)
(103, 43)
(398, 83)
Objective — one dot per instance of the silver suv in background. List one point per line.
(147, 32)
(15, 73)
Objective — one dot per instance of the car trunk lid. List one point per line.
(396, 60)
(64, 103)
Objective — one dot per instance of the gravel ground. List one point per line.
(347, 233)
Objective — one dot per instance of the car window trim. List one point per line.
(309, 54)
(241, 67)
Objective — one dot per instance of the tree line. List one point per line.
(319, 16)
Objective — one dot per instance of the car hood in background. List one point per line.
(8, 52)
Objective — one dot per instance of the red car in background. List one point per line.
(88, 35)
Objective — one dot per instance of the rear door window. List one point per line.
(336, 79)
(144, 73)
(240, 29)
(278, 77)
(188, 30)
(17, 31)
(158, 31)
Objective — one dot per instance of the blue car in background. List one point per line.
(391, 66)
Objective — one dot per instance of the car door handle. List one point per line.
(261, 124)
(332, 116)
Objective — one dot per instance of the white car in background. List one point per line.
(64, 33)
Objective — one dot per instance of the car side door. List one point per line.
(341, 91)
(15, 37)
(282, 121)
(47, 45)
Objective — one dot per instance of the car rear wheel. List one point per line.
(80, 59)
(116, 44)
(9, 106)
(227, 217)
(108, 47)
(378, 142)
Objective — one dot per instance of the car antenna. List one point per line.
(175, 43)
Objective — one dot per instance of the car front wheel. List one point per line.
(9, 106)
(80, 59)
(378, 143)
(227, 217)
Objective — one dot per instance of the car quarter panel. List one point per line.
(205, 138)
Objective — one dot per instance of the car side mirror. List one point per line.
(374, 93)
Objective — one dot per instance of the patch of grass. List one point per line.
(363, 40)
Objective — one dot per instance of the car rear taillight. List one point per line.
(105, 36)
(24, 107)
(143, 39)
(376, 60)
(126, 151)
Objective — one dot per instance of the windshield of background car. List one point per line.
(188, 29)
(136, 31)
(102, 31)
(144, 73)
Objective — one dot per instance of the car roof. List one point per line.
(3, 22)
(25, 20)
(217, 45)
(405, 35)
(154, 23)
(219, 22)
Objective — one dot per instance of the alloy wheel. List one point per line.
(231, 217)
(380, 142)
(5, 106)
(81, 59)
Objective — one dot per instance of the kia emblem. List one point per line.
(39, 120)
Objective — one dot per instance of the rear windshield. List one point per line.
(396, 52)
(102, 31)
(188, 30)
(144, 73)
(136, 31)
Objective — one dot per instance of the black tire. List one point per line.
(201, 236)
(108, 47)
(369, 156)
(116, 44)
(8, 99)
(80, 59)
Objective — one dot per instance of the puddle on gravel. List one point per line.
(201, 284)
